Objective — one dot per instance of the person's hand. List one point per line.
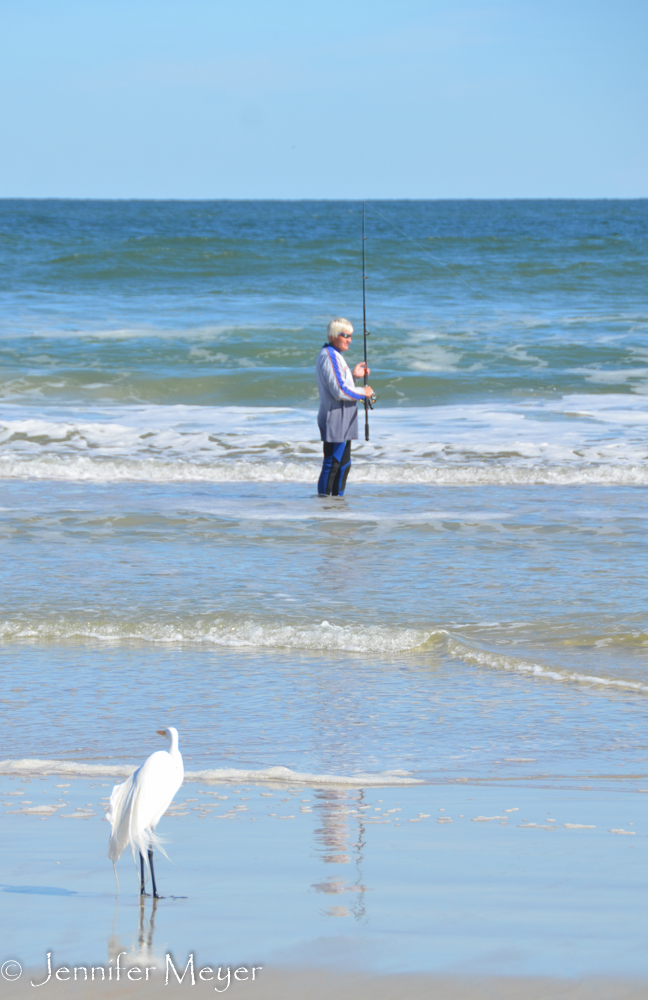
(360, 370)
(368, 391)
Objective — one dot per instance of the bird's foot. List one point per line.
(156, 895)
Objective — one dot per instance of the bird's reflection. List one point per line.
(142, 952)
(339, 812)
(146, 927)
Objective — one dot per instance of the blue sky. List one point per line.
(296, 99)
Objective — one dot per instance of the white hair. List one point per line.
(338, 326)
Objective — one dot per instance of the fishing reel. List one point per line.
(371, 400)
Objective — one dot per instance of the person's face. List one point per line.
(342, 341)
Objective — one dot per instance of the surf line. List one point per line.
(368, 400)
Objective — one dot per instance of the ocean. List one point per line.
(474, 611)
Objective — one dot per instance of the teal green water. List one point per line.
(225, 302)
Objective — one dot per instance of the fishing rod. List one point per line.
(369, 400)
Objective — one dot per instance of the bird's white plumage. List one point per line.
(138, 804)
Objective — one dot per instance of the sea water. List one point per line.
(474, 610)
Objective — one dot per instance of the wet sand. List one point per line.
(455, 890)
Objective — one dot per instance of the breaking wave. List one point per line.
(322, 637)
(570, 441)
(387, 641)
(100, 470)
(519, 665)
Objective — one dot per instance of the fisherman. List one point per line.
(338, 412)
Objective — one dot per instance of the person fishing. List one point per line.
(338, 412)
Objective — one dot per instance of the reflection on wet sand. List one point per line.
(340, 839)
(142, 953)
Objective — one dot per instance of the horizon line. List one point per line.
(359, 200)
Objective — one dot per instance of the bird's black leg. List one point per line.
(156, 894)
(142, 876)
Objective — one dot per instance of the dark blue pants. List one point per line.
(335, 468)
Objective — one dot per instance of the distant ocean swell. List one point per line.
(321, 637)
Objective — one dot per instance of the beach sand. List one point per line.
(316, 984)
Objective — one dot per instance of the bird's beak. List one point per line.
(161, 732)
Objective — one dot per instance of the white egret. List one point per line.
(138, 804)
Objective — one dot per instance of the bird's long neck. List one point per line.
(174, 744)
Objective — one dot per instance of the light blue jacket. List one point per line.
(338, 412)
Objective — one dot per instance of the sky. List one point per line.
(203, 99)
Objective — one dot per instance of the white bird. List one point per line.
(139, 803)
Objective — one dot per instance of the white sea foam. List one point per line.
(324, 636)
(269, 775)
(576, 439)
(519, 665)
(90, 470)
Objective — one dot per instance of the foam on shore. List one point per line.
(279, 775)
